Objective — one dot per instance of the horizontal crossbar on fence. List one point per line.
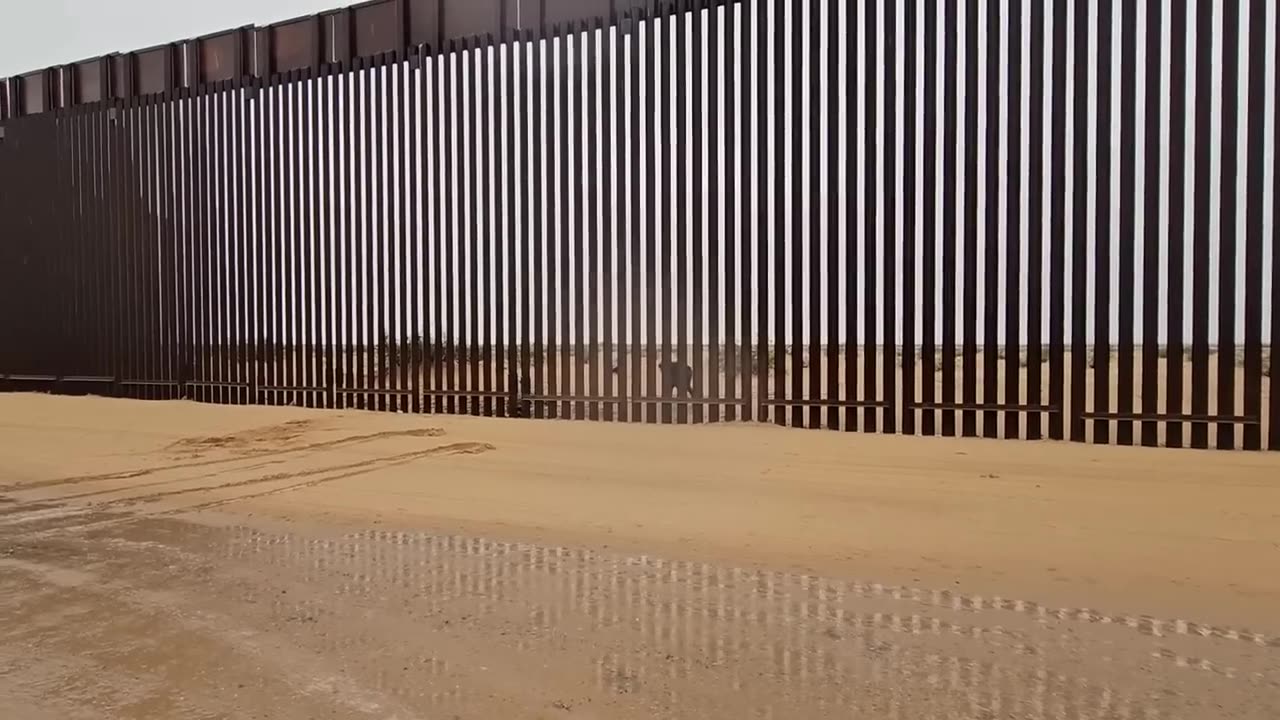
(635, 400)
(826, 403)
(1175, 417)
(983, 407)
(454, 393)
(150, 383)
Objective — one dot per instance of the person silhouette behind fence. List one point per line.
(677, 378)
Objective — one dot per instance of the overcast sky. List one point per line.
(38, 33)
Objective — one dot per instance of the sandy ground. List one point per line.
(165, 560)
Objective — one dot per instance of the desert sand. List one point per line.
(175, 559)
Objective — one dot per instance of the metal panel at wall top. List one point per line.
(424, 21)
(155, 68)
(469, 18)
(362, 30)
(89, 81)
(295, 44)
(121, 79)
(222, 56)
(335, 37)
(33, 92)
(378, 28)
(559, 11)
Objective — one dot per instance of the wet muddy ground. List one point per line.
(152, 593)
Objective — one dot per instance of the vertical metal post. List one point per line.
(469, 252)
(929, 223)
(678, 316)
(362, 201)
(318, 171)
(972, 176)
(1273, 413)
(739, 54)
(562, 277)
(611, 227)
(693, 280)
(667, 215)
(991, 201)
(1057, 191)
(140, 200)
(910, 201)
(538, 144)
(1253, 232)
(1013, 335)
(113, 196)
(780, 235)
(204, 235)
(1101, 306)
(513, 134)
(1127, 287)
(521, 58)
(634, 350)
(594, 304)
(466, 224)
(346, 372)
(579, 119)
(1080, 221)
(405, 345)
(805, 231)
(850, 269)
(379, 278)
(888, 242)
(300, 238)
(1203, 224)
(223, 255)
(707, 64)
(1176, 243)
(557, 211)
(240, 265)
(330, 230)
(653, 27)
(1044, 153)
(1229, 203)
(1156, 63)
(441, 107)
(488, 259)
(949, 239)
(416, 199)
(279, 242)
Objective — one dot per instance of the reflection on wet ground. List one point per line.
(149, 617)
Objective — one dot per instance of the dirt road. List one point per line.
(166, 560)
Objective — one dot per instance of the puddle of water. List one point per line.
(787, 645)
(427, 624)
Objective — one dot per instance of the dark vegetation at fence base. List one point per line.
(271, 190)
